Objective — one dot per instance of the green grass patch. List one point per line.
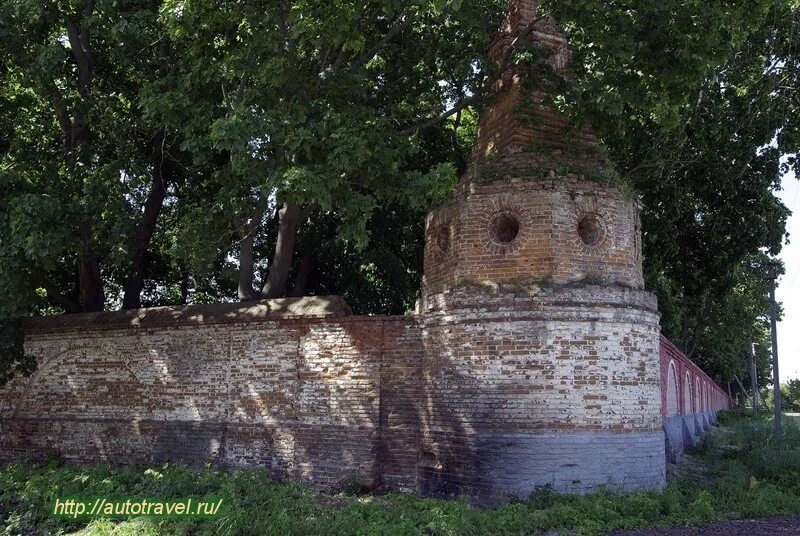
(750, 473)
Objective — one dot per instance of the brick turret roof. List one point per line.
(519, 133)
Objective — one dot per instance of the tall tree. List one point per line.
(85, 172)
(312, 107)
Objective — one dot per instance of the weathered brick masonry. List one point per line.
(690, 400)
(533, 303)
(512, 398)
(534, 359)
(313, 397)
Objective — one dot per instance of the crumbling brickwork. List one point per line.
(533, 305)
(475, 399)
(533, 387)
(466, 243)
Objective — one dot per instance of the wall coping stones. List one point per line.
(194, 315)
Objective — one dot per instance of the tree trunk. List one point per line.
(307, 266)
(753, 372)
(70, 303)
(90, 281)
(163, 169)
(776, 379)
(77, 133)
(92, 295)
(743, 390)
(184, 288)
(247, 258)
(291, 217)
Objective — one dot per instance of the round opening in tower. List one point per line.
(591, 229)
(504, 228)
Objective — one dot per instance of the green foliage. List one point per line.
(240, 107)
(750, 473)
(258, 103)
(790, 396)
(758, 471)
(353, 485)
(645, 61)
(305, 104)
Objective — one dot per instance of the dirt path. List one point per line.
(753, 527)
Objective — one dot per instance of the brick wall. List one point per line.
(534, 386)
(315, 398)
(493, 391)
(462, 246)
(693, 391)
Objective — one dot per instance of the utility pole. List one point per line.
(753, 373)
(772, 274)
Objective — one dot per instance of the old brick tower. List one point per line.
(541, 345)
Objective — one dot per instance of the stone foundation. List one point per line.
(496, 467)
(683, 432)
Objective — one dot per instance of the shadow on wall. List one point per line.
(520, 397)
(481, 407)
(73, 406)
(299, 395)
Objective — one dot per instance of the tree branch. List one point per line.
(522, 34)
(438, 119)
(79, 43)
(163, 170)
(69, 305)
(403, 22)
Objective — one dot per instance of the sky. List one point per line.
(788, 291)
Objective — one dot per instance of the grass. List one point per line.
(749, 473)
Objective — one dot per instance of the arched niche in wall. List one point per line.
(84, 382)
(698, 396)
(672, 391)
(688, 407)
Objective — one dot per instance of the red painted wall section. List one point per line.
(709, 397)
